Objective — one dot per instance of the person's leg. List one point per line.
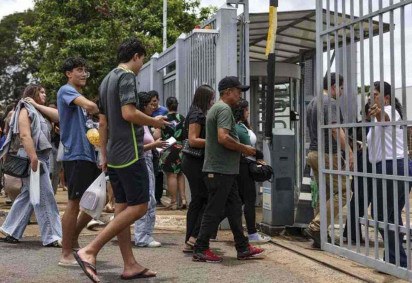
(46, 211)
(19, 214)
(247, 192)
(219, 187)
(130, 185)
(182, 189)
(391, 214)
(192, 169)
(143, 228)
(159, 186)
(172, 188)
(62, 179)
(233, 210)
(79, 175)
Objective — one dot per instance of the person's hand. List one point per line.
(34, 163)
(261, 162)
(159, 143)
(31, 101)
(249, 150)
(375, 110)
(160, 122)
(103, 163)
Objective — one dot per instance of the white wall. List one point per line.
(408, 106)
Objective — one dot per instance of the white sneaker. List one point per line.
(258, 238)
(154, 244)
(94, 223)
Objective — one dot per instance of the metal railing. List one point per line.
(374, 195)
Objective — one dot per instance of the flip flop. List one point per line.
(84, 264)
(141, 274)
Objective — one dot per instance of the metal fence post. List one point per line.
(226, 45)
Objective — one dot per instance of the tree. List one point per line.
(14, 73)
(94, 28)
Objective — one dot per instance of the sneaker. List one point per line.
(55, 244)
(206, 256)
(94, 223)
(258, 238)
(154, 244)
(249, 253)
(314, 235)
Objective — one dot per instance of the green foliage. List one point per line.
(14, 72)
(93, 29)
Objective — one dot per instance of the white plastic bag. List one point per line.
(94, 198)
(60, 152)
(35, 185)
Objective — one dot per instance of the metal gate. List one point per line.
(367, 48)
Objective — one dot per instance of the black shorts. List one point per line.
(130, 184)
(79, 175)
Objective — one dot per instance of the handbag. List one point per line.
(259, 172)
(16, 166)
(195, 152)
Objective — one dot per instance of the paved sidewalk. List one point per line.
(30, 262)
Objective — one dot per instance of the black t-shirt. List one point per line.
(196, 116)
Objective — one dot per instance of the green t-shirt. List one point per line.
(243, 134)
(219, 159)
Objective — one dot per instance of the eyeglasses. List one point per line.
(83, 71)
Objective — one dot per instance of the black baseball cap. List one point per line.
(231, 81)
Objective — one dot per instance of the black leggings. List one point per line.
(247, 193)
(192, 168)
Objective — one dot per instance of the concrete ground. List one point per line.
(287, 259)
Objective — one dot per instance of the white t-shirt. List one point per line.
(252, 137)
(375, 146)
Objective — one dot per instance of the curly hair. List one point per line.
(239, 110)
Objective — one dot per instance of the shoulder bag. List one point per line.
(195, 152)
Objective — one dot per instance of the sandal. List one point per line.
(171, 206)
(184, 204)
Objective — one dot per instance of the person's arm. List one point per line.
(49, 112)
(194, 136)
(86, 104)
(26, 139)
(339, 135)
(156, 144)
(132, 115)
(103, 140)
(157, 134)
(230, 143)
(376, 111)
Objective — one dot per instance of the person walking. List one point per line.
(79, 157)
(246, 185)
(171, 158)
(31, 123)
(121, 141)
(386, 158)
(338, 136)
(158, 111)
(195, 126)
(143, 228)
(221, 165)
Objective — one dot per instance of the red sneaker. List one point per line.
(206, 256)
(249, 253)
